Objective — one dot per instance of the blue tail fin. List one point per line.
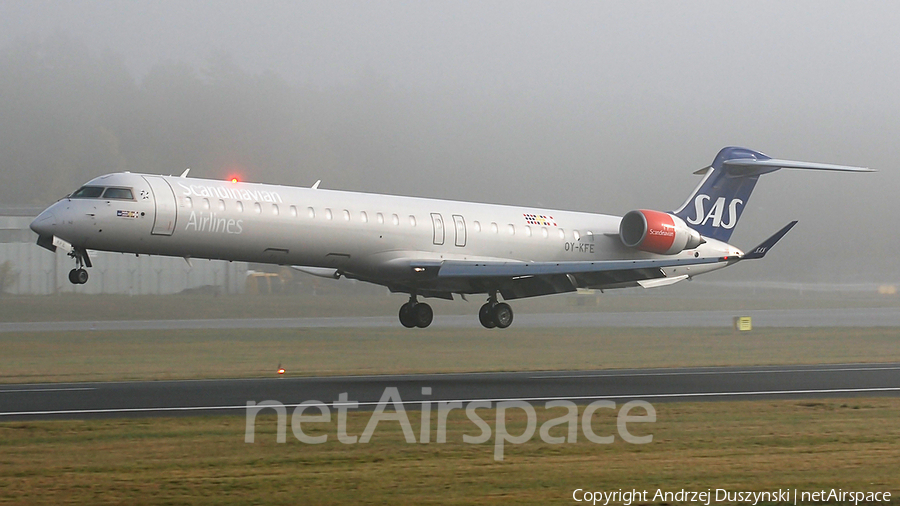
(716, 205)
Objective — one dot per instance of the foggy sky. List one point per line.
(590, 106)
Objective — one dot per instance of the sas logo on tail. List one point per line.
(701, 216)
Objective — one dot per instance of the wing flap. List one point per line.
(656, 283)
(533, 286)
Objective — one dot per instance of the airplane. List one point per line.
(416, 246)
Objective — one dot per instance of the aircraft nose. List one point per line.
(44, 224)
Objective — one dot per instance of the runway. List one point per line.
(846, 317)
(231, 396)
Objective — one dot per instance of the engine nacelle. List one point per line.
(657, 232)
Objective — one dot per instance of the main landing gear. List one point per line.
(415, 314)
(79, 275)
(494, 314)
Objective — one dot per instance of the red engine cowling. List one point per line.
(657, 232)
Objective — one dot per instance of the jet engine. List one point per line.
(657, 232)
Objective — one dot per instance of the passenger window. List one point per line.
(412, 220)
(395, 219)
(511, 229)
(476, 226)
(118, 194)
(363, 217)
(275, 209)
(88, 192)
(544, 232)
(328, 214)
(240, 206)
(188, 203)
(346, 215)
(221, 205)
(527, 231)
(257, 207)
(562, 234)
(206, 204)
(576, 235)
(380, 218)
(311, 212)
(494, 228)
(294, 211)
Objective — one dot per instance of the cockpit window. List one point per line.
(88, 192)
(118, 194)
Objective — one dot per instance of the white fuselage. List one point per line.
(358, 234)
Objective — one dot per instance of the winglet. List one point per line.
(761, 250)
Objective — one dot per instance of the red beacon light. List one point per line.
(234, 180)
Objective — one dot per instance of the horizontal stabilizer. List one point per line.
(751, 166)
(761, 250)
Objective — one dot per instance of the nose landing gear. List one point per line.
(79, 275)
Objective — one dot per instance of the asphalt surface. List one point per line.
(855, 317)
(231, 396)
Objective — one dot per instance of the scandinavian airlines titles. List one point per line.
(224, 192)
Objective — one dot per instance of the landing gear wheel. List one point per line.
(406, 316)
(503, 315)
(486, 316)
(423, 315)
(78, 276)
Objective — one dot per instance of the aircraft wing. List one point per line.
(761, 250)
(528, 279)
(457, 268)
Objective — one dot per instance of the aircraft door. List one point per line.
(438, 223)
(460, 224)
(164, 201)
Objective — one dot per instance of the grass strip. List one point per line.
(187, 354)
(848, 444)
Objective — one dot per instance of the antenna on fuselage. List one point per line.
(316, 186)
(184, 174)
